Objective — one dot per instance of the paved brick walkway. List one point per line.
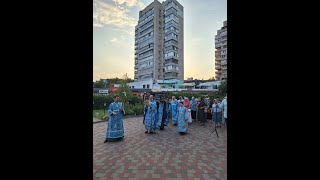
(164, 155)
(96, 120)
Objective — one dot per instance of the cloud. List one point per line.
(130, 3)
(129, 32)
(109, 14)
(113, 40)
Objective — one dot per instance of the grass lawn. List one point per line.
(99, 114)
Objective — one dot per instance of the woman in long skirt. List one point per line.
(182, 119)
(148, 118)
(216, 114)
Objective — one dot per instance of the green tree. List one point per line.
(223, 88)
(123, 90)
(212, 79)
(99, 84)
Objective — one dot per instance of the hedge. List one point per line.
(214, 95)
(100, 99)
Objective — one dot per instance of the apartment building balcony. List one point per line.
(144, 73)
(224, 33)
(146, 20)
(171, 18)
(171, 5)
(145, 27)
(170, 43)
(171, 24)
(218, 67)
(218, 72)
(172, 61)
(217, 64)
(146, 68)
(224, 63)
(218, 44)
(169, 57)
(145, 39)
(224, 67)
(145, 49)
(141, 56)
(171, 50)
(171, 70)
(143, 33)
(169, 31)
(170, 76)
(171, 37)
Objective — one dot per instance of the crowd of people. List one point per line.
(159, 113)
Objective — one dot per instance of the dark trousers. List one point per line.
(193, 114)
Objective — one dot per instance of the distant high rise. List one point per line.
(221, 53)
(159, 42)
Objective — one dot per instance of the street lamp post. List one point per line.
(104, 109)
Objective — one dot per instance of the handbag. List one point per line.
(189, 116)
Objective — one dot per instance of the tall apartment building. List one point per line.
(159, 42)
(221, 53)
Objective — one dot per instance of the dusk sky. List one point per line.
(113, 36)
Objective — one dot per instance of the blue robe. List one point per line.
(148, 119)
(174, 111)
(162, 114)
(115, 123)
(193, 104)
(153, 105)
(182, 119)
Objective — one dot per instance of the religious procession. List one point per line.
(160, 111)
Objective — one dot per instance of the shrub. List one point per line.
(134, 100)
(137, 109)
(100, 99)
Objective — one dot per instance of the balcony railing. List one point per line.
(170, 43)
(171, 70)
(168, 57)
(218, 45)
(171, 18)
(170, 77)
(172, 61)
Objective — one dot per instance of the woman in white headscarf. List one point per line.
(187, 104)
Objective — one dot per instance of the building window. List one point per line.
(148, 86)
(144, 86)
(132, 87)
